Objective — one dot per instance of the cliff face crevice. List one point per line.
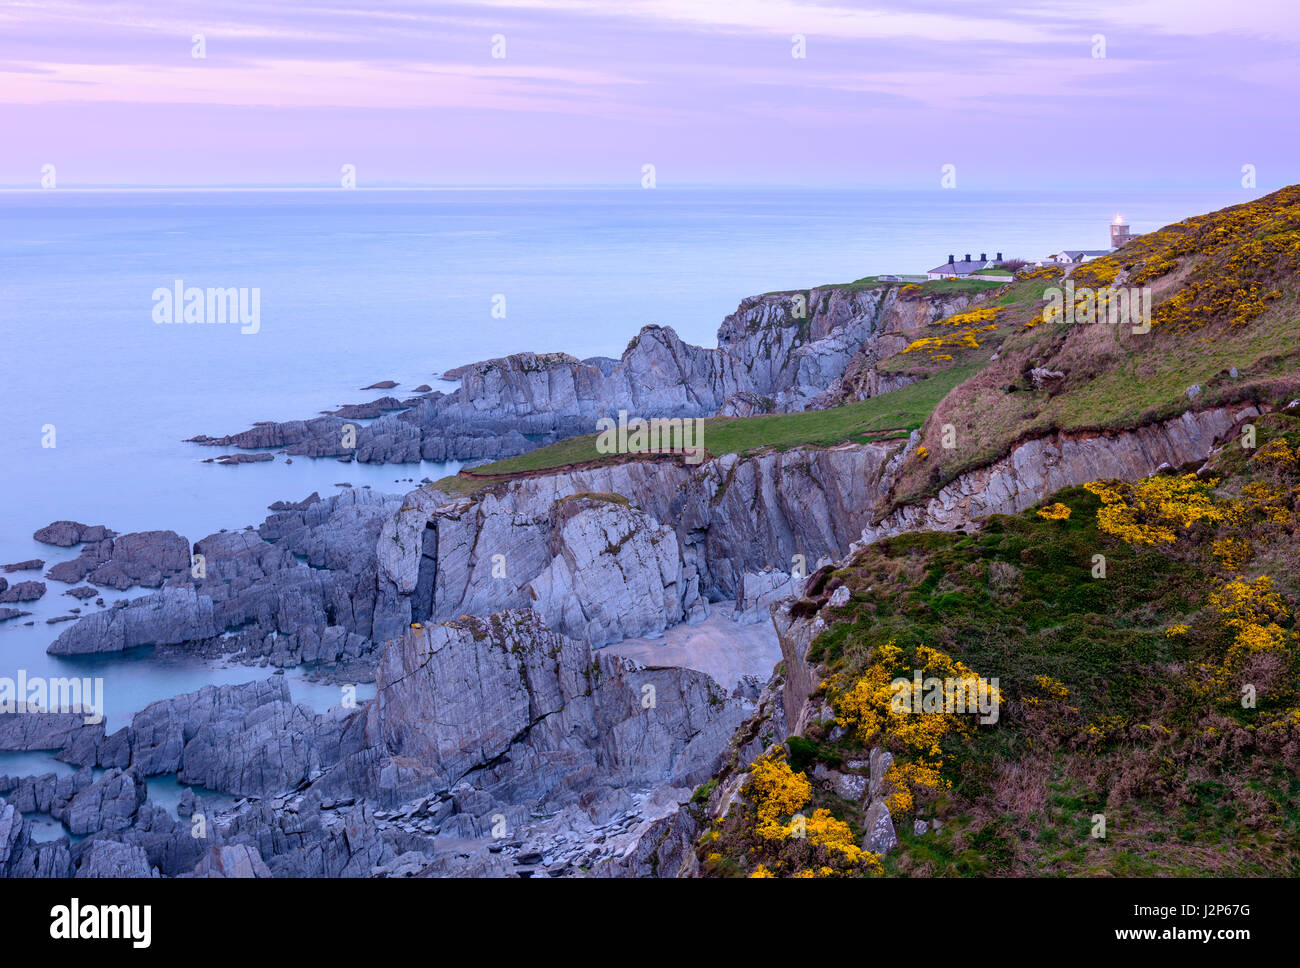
(696, 534)
(709, 533)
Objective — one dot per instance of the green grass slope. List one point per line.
(1122, 695)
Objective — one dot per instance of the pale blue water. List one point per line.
(358, 287)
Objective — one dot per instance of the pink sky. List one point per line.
(589, 91)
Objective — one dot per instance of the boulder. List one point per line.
(65, 534)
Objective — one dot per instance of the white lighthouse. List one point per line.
(1119, 232)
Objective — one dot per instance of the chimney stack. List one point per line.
(968, 257)
(984, 257)
(951, 260)
(999, 256)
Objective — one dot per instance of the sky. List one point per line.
(1046, 94)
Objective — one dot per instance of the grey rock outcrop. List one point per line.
(614, 572)
(879, 836)
(65, 534)
(781, 351)
(236, 860)
(32, 564)
(244, 740)
(759, 591)
(109, 858)
(1038, 467)
(533, 716)
(23, 591)
(248, 593)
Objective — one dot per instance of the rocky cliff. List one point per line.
(777, 353)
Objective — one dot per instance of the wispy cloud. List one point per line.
(677, 78)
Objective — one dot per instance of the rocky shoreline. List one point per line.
(777, 353)
(502, 739)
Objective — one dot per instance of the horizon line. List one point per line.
(613, 186)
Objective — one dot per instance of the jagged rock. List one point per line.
(93, 554)
(33, 564)
(880, 762)
(248, 739)
(251, 586)
(796, 633)
(110, 803)
(90, 746)
(781, 351)
(538, 714)
(745, 405)
(13, 837)
(39, 731)
(477, 863)
(879, 837)
(1042, 377)
(107, 858)
(8, 613)
(850, 786)
(614, 573)
(23, 591)
(759, 591)
(145, 558)
(168, 617)
(312, 498)
(65, 534)
(229, 459)
(441, 558)
(236, 860)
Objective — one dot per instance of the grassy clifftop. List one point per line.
(890, 415)
(1225, 327)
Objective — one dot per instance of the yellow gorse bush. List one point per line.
(1276, 451)
(1252, 612)
(823, 829)
(972, 317)
(1152, 511)
(777, 792)
(1234, 259)
(1233, 553)
(966, 338)
(867, 711)
(1055, 512)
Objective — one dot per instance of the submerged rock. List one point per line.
(33, 564)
